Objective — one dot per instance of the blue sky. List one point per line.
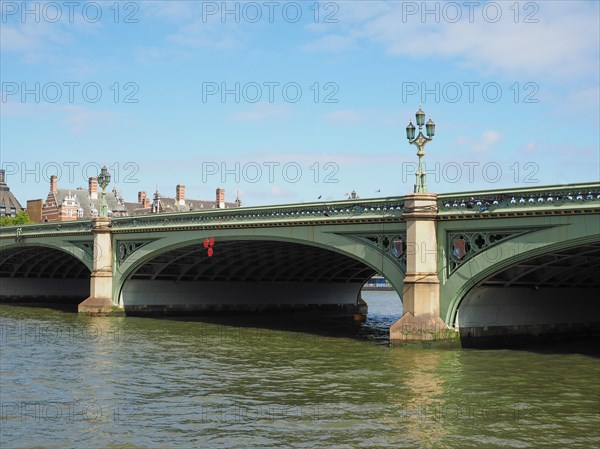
(317, 104)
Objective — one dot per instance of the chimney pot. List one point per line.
(180, 194)
(93, 188)
(220, 198)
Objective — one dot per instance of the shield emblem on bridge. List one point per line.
(459, 248)
(397, 248)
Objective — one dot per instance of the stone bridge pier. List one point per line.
(100, 301)
(421, 292)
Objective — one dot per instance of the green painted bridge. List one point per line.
(516, 261)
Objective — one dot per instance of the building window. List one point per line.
(79, 213)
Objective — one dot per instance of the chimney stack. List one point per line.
(180, 195)
(93, 188)
(142, 198)
(53, 184)
(221, 198)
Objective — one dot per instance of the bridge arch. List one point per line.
(287, 255)
(50, 271)
(555, 242)
(81, 250)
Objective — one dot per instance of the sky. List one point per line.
(289, 102)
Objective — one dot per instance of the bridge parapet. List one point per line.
(574, 198)
(43, 229)
(577, 198)
(290, 215)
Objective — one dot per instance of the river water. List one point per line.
(79, 382)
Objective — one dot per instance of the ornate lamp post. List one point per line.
(421, 286)
(103, 181)
(420, 141)
(101, 302)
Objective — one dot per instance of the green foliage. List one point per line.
(20, 219)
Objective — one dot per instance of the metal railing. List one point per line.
(547, 197)
(290, 214)
(63, 227)
(574, 196)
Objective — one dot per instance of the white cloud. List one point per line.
(583, 105)
(77, 118)
(331, 43)
(482, 144)
(529, 147)
(81, 119)
(188, 37)
(274, 194)
(175, 11)
(345, 116)
(278, 191)
(563, 43)
(33, 43)
(44, 42)
(156, 55)
(261, 112)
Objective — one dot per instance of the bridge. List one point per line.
(497, 263)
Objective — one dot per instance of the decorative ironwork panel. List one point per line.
(87, 247)
(462, 246)
(126, 248)
(392, 246)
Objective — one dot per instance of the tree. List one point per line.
(20, 219)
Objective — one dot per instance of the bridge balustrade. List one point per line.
(346, 210)
(569, 198)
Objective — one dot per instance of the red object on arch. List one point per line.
(209, 243)
(459, 248)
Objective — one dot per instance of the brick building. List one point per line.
(69, 204)
(179, 203)
(34, 210)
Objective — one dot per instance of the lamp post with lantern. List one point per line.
(421, 285)
(420, 141)
(103, 181)
(100, 302)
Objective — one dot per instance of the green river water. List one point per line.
(79, 382)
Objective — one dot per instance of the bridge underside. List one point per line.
(42, 274)
(554, 296)
(246, 276)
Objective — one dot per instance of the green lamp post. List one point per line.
(103, 181)
(420, 141)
